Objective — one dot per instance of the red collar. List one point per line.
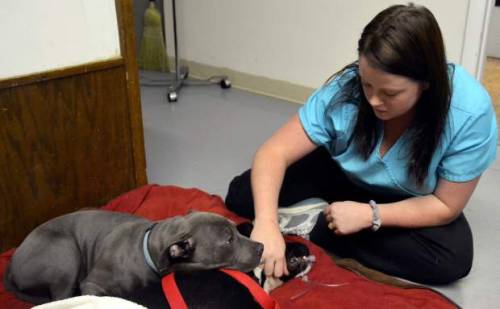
(176, 301)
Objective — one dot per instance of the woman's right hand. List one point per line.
(269, 234)
(286, 146)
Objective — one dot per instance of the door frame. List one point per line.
(475, 36)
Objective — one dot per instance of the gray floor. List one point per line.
(211, 134)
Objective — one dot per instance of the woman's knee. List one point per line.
(447, 271)
(439, 266)
(453, 259)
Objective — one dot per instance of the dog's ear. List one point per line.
(181, 250)
(172, 230)
(170, 233)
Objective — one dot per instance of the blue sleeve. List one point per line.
(327, 116)
(473, 148)
(312, 118)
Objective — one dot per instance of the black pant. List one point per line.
(434, 255)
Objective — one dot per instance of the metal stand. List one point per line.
(182, 72)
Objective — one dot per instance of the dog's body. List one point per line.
(98, 252)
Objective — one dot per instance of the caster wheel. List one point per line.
(225, 84)
(184, 72)
(172, 96)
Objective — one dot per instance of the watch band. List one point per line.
(376, 220)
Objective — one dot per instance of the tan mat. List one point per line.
(372, 274)
(491, 81)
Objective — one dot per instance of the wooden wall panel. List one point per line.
(70, 138)
(64, 144)
(126, 28)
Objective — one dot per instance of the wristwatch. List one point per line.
(376, 220)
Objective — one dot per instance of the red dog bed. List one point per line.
(328, 285)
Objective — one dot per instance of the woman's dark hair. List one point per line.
(405, 40)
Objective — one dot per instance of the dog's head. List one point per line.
(207, 241)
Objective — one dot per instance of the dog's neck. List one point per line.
(145, 250)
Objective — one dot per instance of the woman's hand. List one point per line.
(269, 234)
(348, 217)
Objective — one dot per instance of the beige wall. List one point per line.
(42, 35)
(300, 42)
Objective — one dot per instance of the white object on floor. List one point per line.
(91, 302)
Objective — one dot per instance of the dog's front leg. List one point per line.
(118, 283)
(96, 283)
(90, 288)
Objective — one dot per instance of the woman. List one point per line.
(396, 140)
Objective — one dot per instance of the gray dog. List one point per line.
(98, 252)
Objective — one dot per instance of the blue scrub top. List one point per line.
(468, 144)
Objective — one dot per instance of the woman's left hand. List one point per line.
(348, 217)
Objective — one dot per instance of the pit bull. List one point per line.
(97, 252)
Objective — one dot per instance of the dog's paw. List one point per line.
(182, 249)
(297, 264)
(298, 259)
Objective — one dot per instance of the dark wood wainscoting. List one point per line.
(69, 139)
